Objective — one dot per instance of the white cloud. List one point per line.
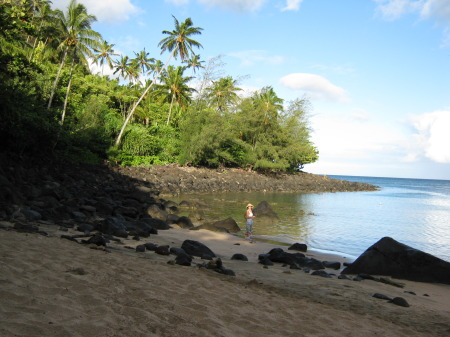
(360, 115)
(433, 136)
(251, 57)
(439, 9)
(349, 145)
(111, 10)
(235, 5)
(178, 2)
(430, 9)
(394, 9)
(292, 5)
(239, 5)
(315, 86)
(344, 136)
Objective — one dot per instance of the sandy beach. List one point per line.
(55, 287)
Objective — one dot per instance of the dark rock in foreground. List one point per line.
(299, 246)
(392, 258)
(196, 248)
(218, 267)
(240, 257)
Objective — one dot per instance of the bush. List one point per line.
(118, 157)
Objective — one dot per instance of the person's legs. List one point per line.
(248, 233)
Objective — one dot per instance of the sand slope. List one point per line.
(54, 287)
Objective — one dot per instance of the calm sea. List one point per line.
(415, 212)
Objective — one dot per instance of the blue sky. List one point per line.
(376, 72)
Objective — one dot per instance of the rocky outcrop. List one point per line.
(391, 258)
(172, 179)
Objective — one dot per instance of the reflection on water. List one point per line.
(346, 222)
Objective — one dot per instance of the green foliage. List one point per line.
(139, 141)
(43, 76)
(123, 158)
(15, 19)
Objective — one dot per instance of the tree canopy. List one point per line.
(148, 112)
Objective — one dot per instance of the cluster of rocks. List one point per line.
(86, 198)
(172, 179)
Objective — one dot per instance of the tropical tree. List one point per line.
(155, 68)
(43, 20)
(269, 103)
(174, 86)
(78, 38)
(194, 63)
(223, 92)
(104, 53)
(122, 66)
(178, 43)
(143, 61)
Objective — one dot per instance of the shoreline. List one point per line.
(84, 290)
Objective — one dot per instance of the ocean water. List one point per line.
(415, 212)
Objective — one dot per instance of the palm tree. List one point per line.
(42, 13)
(104, 53)
(143, 61)
(223, 92)
(156, 67)
(78, 37)
(194, 63)
(178, 43)
(122, 65)
(271, 104)
(174, 87)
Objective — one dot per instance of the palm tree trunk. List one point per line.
(66, 100)
(57, 79)
(119, 137)
(35, 41)
(170, 110)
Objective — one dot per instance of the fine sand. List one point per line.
(55, 287)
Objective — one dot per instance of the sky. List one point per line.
(376, 72)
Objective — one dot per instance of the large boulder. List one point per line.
(113, 226)
(156, 223)
(228, 225)
(264, 212)
(184, 222)
(196, 248)
(156, 212)
(392, 258)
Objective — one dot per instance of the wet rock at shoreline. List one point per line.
(228, 225)
(299, 246)
(264, 212)
(392, 258)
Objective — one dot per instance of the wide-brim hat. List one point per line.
(250, 205)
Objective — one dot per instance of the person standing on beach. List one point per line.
(249, 216)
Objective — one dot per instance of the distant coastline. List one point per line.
(171, 180)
